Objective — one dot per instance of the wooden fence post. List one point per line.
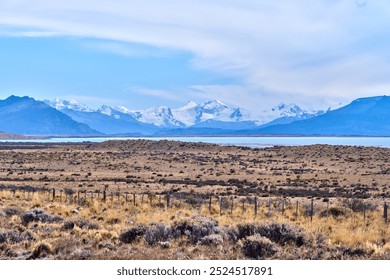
(78, 197)
(345, 212)
(269, 208)
(220, 205)
(104, 196)
(327, 209)
(364, 214)
(119, 199)
(168, 200)
(210, 200)
(385, 212)
(134, 202)
(60, 195)
(127, 200)
(255, 205)
(311, 209)
(296, 210)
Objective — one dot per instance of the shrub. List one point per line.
(38, 215)
(130, 235)
(212, 239)
(157, 233)
(282, 233)
(257, 246)
(197, 227)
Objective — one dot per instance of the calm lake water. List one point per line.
(253, 142)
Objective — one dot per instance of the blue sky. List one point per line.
(250, 53)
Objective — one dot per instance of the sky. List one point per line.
(248, 53)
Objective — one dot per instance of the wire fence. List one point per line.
(292, 208)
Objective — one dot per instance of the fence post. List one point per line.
(283, 207)
(296, 210)
(60, 195)
(78, 197)
(168, 200)
(232, 205)
(220, 205)
(269, 208)
(345, 212)
(311, 209)
(134, 197)
(127, 200)
(104, 196)
(210, 198)
(385, 212)
(119, 199)
(364, 214)
(327, 209)
(255, 205)
(150, 199)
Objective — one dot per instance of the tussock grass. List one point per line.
(94, 231)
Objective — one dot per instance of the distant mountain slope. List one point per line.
(365, 116)
(25, 115)
(110, 121)
(8, 136)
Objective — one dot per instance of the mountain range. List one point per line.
(25, 115)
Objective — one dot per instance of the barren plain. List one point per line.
(192, 201)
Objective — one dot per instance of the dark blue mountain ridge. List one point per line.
(25, 115)
(369, 116)
(110, 125)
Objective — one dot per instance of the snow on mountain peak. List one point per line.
(106, 110)
(62, 104)
(189, 105)
(213, 104)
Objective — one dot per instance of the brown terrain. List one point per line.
(192, 201)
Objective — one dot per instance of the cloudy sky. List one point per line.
(249, 53)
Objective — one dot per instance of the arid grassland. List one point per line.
(192, 201)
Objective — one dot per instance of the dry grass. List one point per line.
(97, 227)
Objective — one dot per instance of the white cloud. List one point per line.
(310, 50)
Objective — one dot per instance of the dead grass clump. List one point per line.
(257, 246)
(42, 250)
(333, 212)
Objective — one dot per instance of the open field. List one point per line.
(253, 211)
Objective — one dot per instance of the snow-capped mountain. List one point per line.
(188, 115)
(283, 114)
(160, 116)
(210, 114)
(62, 104)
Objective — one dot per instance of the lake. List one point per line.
(253, 142)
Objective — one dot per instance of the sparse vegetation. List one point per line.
(49, 209)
